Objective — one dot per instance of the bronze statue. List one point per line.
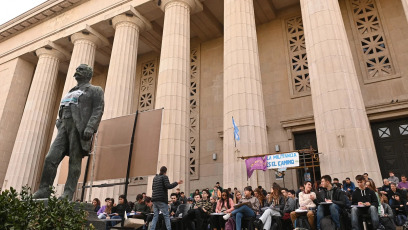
(79, 116)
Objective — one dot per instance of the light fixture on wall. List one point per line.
(214, 156)
(277, 148)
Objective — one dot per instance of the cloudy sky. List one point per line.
(12, 8)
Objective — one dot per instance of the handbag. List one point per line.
(286, 216)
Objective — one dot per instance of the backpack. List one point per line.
(327, 224)
(387, 223)
(302, 223)
(230, 225)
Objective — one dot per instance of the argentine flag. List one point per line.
(236, 130)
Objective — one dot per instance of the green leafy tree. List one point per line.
(21, 211)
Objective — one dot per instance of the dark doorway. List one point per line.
(391, 144)
(305, 141)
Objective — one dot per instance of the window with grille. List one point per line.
(194, 155)
(299, 68)
(147, 85)
(371, 40)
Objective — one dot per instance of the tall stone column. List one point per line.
(342, 128)
(243, 95)
(405, 5)
(173, 89)
(120, 84)
(32, 135)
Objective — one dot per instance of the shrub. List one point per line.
(21, 211)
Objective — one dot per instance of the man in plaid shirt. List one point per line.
(201, 211)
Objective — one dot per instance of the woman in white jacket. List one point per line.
(307, 203)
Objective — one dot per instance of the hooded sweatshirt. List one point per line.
(366, 195)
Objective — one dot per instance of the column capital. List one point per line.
(195, 6)
(50, 52)
(138, 21)
(86, 36)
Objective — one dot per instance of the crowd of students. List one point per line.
(326, 203)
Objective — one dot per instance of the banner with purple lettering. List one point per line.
(255, 163)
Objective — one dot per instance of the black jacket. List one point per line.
(337, 196)
(391, 193)
(182, 200)
(174, 206)
(121, 208)
(160, 186)
(396, 207)
(366, 195)
(278, 207)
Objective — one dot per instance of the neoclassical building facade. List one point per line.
(327, 74)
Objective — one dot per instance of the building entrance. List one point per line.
(305, 141)
(391, 144)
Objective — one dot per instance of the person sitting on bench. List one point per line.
(331, 200)
(307, 201)
(141, 209)
(276, 203)
(200, 212)
(247, 206)
(366, 201)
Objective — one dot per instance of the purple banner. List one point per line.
(255, 163)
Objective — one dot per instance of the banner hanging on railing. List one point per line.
(285, 160)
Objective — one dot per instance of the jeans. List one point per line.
(112, 223)
(241, 212)
(102, 216)
(356, 212)
(164, 208)
(335, 211)
(266, 218)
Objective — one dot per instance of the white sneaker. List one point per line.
(225, 217)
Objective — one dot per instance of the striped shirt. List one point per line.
(205, 204)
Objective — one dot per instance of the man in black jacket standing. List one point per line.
(332, 199)
(366, 201)
(160, 197)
